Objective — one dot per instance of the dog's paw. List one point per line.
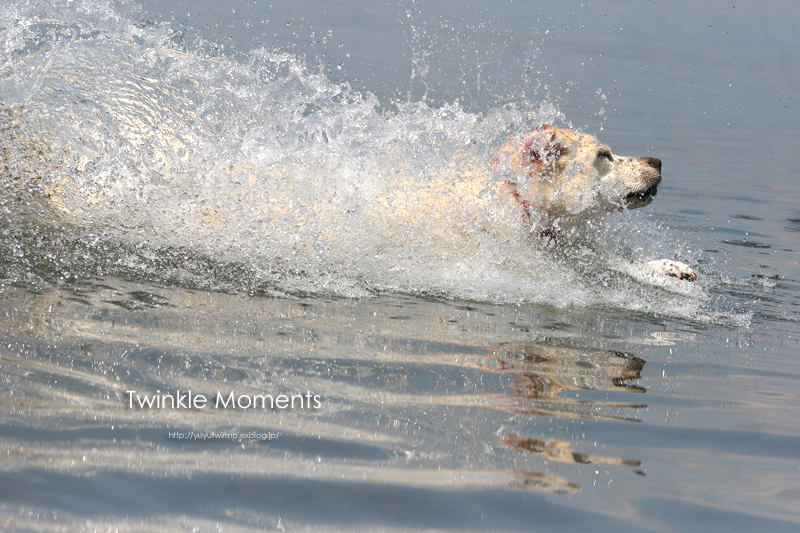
(668, 267)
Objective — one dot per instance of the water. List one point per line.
(204, 197)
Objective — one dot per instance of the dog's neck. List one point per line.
(527, 210)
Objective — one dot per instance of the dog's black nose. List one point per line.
(653, 162)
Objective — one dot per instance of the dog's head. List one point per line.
(566, 173)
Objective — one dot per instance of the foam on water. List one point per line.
(130, 150)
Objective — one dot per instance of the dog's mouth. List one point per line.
(641, 198)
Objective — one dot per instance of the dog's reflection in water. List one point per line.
(544, 371)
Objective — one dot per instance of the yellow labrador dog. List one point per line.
(560, 176)
(548, 180)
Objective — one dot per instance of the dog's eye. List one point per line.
(605, 154)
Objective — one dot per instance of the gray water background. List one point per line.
(421, 394)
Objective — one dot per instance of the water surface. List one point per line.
(500, 386)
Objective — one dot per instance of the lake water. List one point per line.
(163, 235)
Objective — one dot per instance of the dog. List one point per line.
(536, 185)
(559, 177)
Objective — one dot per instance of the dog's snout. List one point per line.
(652, 162)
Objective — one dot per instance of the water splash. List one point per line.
(129, 149)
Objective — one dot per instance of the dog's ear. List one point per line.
(536, 146)
(530, 155)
